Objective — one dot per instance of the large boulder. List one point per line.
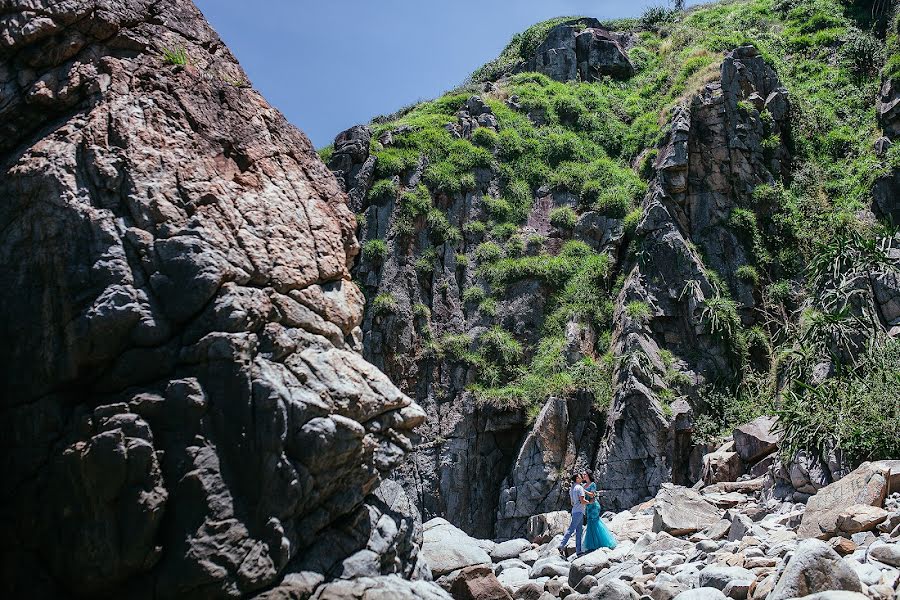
(478, 583)
(680, 511)
(865, 485)
(447, 548)
(756, 439)
(721, 466)
(541, 528)
(814, 568)
(589, 564)
(509, 549)
(721, 577)
(392, 587)
(614, 589)
(184, 409)
(600, 54)
(702, 593)
(888, 554)
(860, 517)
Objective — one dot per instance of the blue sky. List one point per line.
(330, 64)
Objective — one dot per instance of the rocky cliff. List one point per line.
(185, 413)
(606, 258)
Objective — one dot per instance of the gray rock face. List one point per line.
(184, 409)
(710, 144)
(814, 568)
(352, 165)
(550, 450)
(888, 108)
(486, 469)
(581, 49)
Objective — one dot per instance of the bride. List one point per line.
(596, 535)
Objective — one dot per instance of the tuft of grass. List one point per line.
(384, 304)
(485, 137)
(381, 189)
(563, 217)
(748, 274)
(473, 295)
(638, 310)
(175, 56)
(375, 250)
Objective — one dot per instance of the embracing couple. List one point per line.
(583, 495)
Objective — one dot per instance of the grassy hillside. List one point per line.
(597, 142)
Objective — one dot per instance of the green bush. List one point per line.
(473, 295)
(568, 108)
(743, 221)
(485, 137)
(442, 177)
(497, 208)
(515, 246)
(487, 252)
(500, 346)
(863, 52)
(475, 227)
(383, 188)
(632, 219)
(559, 147)
(441, 230)
(748, 274)
(509, 144)
(563, 217)
(395, 161)
(721, 316)
(726, 407)
(421, 311)
(412, 205)
(488, 306)
(375, 250)
(503, 231)
(458, 347)
(613, 204)
(655, 17)
(426, 262)
(857, 413)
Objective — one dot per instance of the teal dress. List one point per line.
(596, 534)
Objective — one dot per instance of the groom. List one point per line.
(576, 495)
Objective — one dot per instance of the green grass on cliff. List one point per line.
(596, 142)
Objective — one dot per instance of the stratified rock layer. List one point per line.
(184, 411)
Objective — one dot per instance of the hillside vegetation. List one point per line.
(596, 143)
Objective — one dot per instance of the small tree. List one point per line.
(679, 5)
